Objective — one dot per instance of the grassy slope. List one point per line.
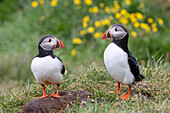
(152, 95)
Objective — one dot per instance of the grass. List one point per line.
(151, 96)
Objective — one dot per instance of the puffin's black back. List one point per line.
(63, 68)
(123, 44)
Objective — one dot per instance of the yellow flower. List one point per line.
(107, 9)
(143, 25)
(136, 24)
(132, 18)
(128, 2)
(97, 35)
(73, 52)
(153, 25)
(123, 20)
(133, 34)
(86, 19)
(160, 21)
(95, 9)
(123, 11)
(41, 2)
(34, 4)
(90, 10)
(117, 6)
(91, 29)
(105, 22)
(42, 18)
(150, 20)
(139, 16)
(114, 10)
(111, 17)
(154, 29)
(126, 15)
(97, 23)
(88, 2)
(147, 29)
(117, 15)
(77, 2)
(101, 5)
(84, 24)
(53, 3)
(76, 40)
(82, 32)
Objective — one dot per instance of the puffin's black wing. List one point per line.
(134, 68)
(63, 68)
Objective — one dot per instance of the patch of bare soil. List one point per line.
(50, 104)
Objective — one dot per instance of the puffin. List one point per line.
(119, 62)
(46, 67)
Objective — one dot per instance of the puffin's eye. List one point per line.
(116, 29)
(49, 40)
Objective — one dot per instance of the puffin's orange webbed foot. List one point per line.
(118, 89)
(125, 96)
(44, 93)
(55, 95)
(44, 96)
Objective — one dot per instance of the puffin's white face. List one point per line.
(117, 32)
(48, 43)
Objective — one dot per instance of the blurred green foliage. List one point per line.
(22, 26)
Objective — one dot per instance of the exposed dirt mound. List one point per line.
(50, 104)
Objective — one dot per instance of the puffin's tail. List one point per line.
(142, 77)
(139, 78)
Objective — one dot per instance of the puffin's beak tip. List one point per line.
(104, 35)
(61, 44)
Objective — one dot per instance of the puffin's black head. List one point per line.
(49, 42)
(117, 32)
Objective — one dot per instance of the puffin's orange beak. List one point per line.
(59, 44)
(104, 35)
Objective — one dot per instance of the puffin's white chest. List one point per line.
(47, 70)
(116, 62)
